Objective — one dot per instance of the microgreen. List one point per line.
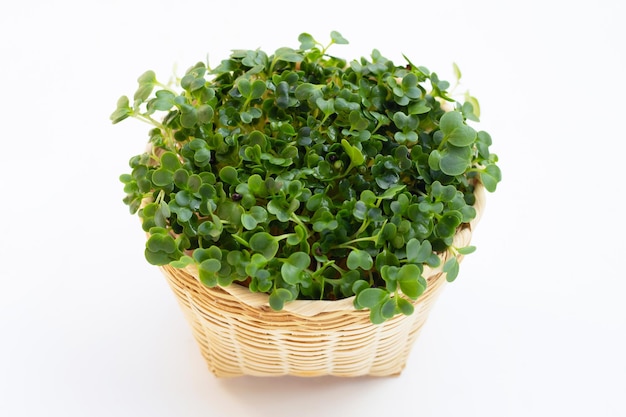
(307, 176)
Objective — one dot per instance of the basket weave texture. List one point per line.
(239, 334)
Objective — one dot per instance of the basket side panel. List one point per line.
(236, 339)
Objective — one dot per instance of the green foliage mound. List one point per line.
(305, 176)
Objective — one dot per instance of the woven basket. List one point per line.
(239, 334)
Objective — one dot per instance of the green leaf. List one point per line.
(194, 183)
(483, 143)
(162, 177)
(161, 248)
(183, 214)
(122, 111)
(455, 130)
(450, 121)
(182, 262)
(282, 95)
(148, 77)
(164, 100)
(157, 258)
(202, 254)
(198, 84)
(390, 274)
(207, 272)
(443, 193)
(457, 71)
(404, 306)
(323, 220)
(434, 160)
(229, 175)
(388, 308)
(419, 107)
(211, 228)
(142, 93)
(368, 197)
(409, 272)
(245, 87)
(146, 84)
(287, 54)
(257, 186)
(392, 191)
(356, 156)
(278, 297)
(183, 198)
(291, 274)
(376, 315)
(300, 260)
(473, 101)
(306, 41)
(188, 117)
(161, 243)
(337, 38)
(467, 250)
(490, 177)
(358, 286)
(454, 160)
(402, 137)
(263, 283)
(307, 90)
(248, 221)
(265, 244)
(388, 232)
(181, 177)
(370, 297)
(255, 267)
(360, 259)
(451, 268)
(468, 111)
(360, 210)
(418, 252)
(279, 208)
(205, 113)
(259, 213)
(412, 288)
(293, 267)
(462, 136)
(386, 258)
(326, 106)
(202, 157)
(448, 223)
(119, 115)
(258, 89)
(299, 236)
(170, 161)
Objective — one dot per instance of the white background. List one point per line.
(533, 326)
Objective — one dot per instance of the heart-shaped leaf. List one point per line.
(455, 160)
(278, 297)
(451, 268)
(265, 244)
(404, 306)
(360, 259)
(293, 267)
(418, 252)
(490, 177)
(455, 130)
(371, 297)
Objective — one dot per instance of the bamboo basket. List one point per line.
(239, 334)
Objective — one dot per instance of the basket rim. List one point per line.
(309, 308)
